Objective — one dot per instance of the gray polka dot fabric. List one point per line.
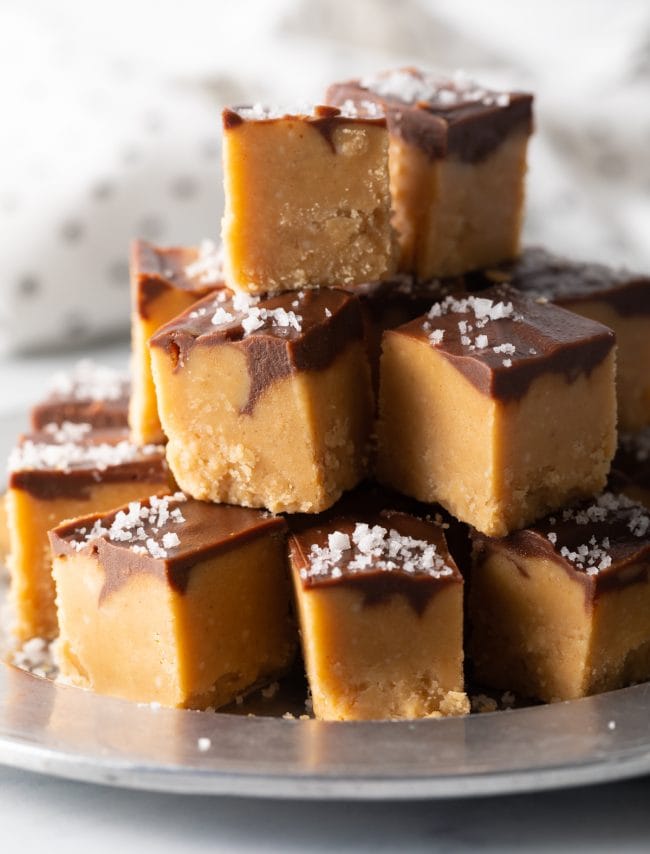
(111, 126)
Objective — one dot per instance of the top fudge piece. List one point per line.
(164, 282)
(307, 199)
(562, 609)
(613, 296)
(89, 394)
(498, 407)
(457, 165)
(266, 400)
(380, 601)
(174, 601)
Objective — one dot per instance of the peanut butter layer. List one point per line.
(279, 335)
(506, 343)
(173, 601)
(307, 201)
(560, 610)
(89, 394)
(164, 282)
(125, 543)
(439, 115)
(614, 297)
(380, 605)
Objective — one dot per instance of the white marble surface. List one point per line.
(38, 812)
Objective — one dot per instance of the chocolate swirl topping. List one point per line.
(75, 477)
(329, 320)
(533, 340)
(377, 585)
(540, 273)
(156, 269)
(603, 543)
(441, 117)
(326, 120)
(207, 530)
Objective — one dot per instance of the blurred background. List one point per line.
(110, 125)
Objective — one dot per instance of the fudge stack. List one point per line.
(368, 424)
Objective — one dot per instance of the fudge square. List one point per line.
(380, 602)
(457, 166)
(266, 402)
(164, 282)
(88, 394)
(498, 407)
(307, 199)
(64, 471)
(612, 296)
(173, 601)
(562, 610)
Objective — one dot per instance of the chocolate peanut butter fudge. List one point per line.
(64, 471)
(266, 401)
(173, 601)
(164, 282)
(457, 165)
(630, 472)
(89, 394)
(562, 609)
(380, 602)
(307, 199)
(614, 297)
(498, 407)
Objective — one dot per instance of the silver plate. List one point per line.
(55, 729)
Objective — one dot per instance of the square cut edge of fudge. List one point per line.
(497, 406)
(174, 601)
(379, 600)
(64, 471)
(165, 280)
(560, 610)
(456, 147)
(307, 199)
(266, 401)
(615, 296)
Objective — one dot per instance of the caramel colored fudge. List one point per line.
(307, 200)
(62, 472)
(457, 166)
(164, 282)
(562, 610)
(89, 394)
(614, 297)
(498, 407)
(173, 601)
(266, 402)
(380, 602)
(630, 472)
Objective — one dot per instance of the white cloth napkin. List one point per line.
(111, 125)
